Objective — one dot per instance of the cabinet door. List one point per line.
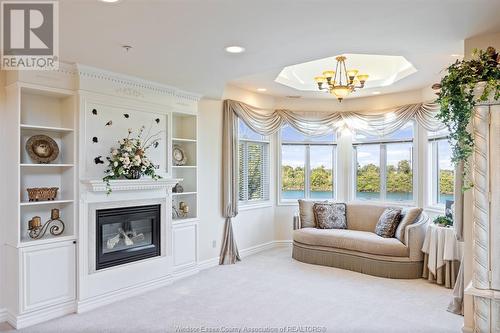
(185, 245)
(48, 275)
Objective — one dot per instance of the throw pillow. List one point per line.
(408, 217)
(330, 215)
(388, 222)
(307, 214)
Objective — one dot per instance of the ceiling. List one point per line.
(181, 43)
(384, 71)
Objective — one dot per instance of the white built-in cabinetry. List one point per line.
(185, 229)
(52, 276)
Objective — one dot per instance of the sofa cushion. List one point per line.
(306, 213)
(363, 217)
(354, 240)
(388, 222)
(330, 215)
(408, 217)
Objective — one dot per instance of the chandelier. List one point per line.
(341, 82)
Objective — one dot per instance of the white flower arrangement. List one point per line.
(129, 160)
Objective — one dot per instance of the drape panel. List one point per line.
(229, 250)
(268, 122)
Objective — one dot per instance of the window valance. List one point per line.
(267, 122)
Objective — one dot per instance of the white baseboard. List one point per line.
(212, 262)
(3, 315)
(39, 316)
(117, 295)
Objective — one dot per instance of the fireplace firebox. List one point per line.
(127, 234)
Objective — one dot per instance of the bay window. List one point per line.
(307, 166)
(441, 170)
(383, 166)
(253, 160)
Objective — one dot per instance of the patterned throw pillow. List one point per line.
(330, 215)
(388, 222)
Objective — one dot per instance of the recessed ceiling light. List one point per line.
(455, 55)
(376, 93)
(261, 89)
(235, 49)
(110, 1)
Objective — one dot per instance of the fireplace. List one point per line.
(127, 234)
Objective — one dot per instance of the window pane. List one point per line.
(290, 134)
(399, 172)
(368, 172)
(247, 133)
(241, 172)
(321, 175)
(446, 172)
(404, 133)
(292, 171)
(255, 171)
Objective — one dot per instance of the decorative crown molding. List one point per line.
(131, 184)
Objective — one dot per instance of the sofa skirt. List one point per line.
(377, 267)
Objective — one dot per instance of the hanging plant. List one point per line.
(458, 97)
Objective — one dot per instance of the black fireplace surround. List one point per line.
(127, 234)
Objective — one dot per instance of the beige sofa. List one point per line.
(359, 249)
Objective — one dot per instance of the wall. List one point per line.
(2, 194)
(477, 42)
(251, 227)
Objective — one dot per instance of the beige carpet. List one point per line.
(271, 291)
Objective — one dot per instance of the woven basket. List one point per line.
(42, 193)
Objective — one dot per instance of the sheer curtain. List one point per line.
(268, 122)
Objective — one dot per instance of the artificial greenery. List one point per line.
(457, 99)
(444, 221)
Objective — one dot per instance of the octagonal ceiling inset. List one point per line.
(383, 70)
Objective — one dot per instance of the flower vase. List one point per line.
(133, 173)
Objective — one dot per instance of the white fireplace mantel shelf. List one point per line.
(131, 184)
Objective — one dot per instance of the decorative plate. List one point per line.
(178, 156)
(42, 148)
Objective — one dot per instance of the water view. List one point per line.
(391, 196)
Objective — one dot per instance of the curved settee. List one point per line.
(359, 249)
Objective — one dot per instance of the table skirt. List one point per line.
(445, 275)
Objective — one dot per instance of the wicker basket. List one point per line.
(42, 193)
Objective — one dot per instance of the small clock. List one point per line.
(178, 156)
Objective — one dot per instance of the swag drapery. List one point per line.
(267, 122)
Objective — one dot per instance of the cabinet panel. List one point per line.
(185, 240)
(494, 156)
(48, 275)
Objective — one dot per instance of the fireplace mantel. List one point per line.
(130, 184)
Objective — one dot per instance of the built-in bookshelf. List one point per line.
(185, 135)
(50, 112)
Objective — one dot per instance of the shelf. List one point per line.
(47, 128)
(184, 166)
(183, 193)
(46, 240)
(48, 165)
(47, 202)
(183, 140)
(185, 220)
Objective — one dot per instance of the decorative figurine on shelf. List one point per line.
(175, 213)
(36, 230)
(178, 188)
(183, 209)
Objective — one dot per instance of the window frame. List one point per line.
(307, 168)
(432, 190)
(266, 186)
(383, 168)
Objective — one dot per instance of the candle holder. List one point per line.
(37, 230)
